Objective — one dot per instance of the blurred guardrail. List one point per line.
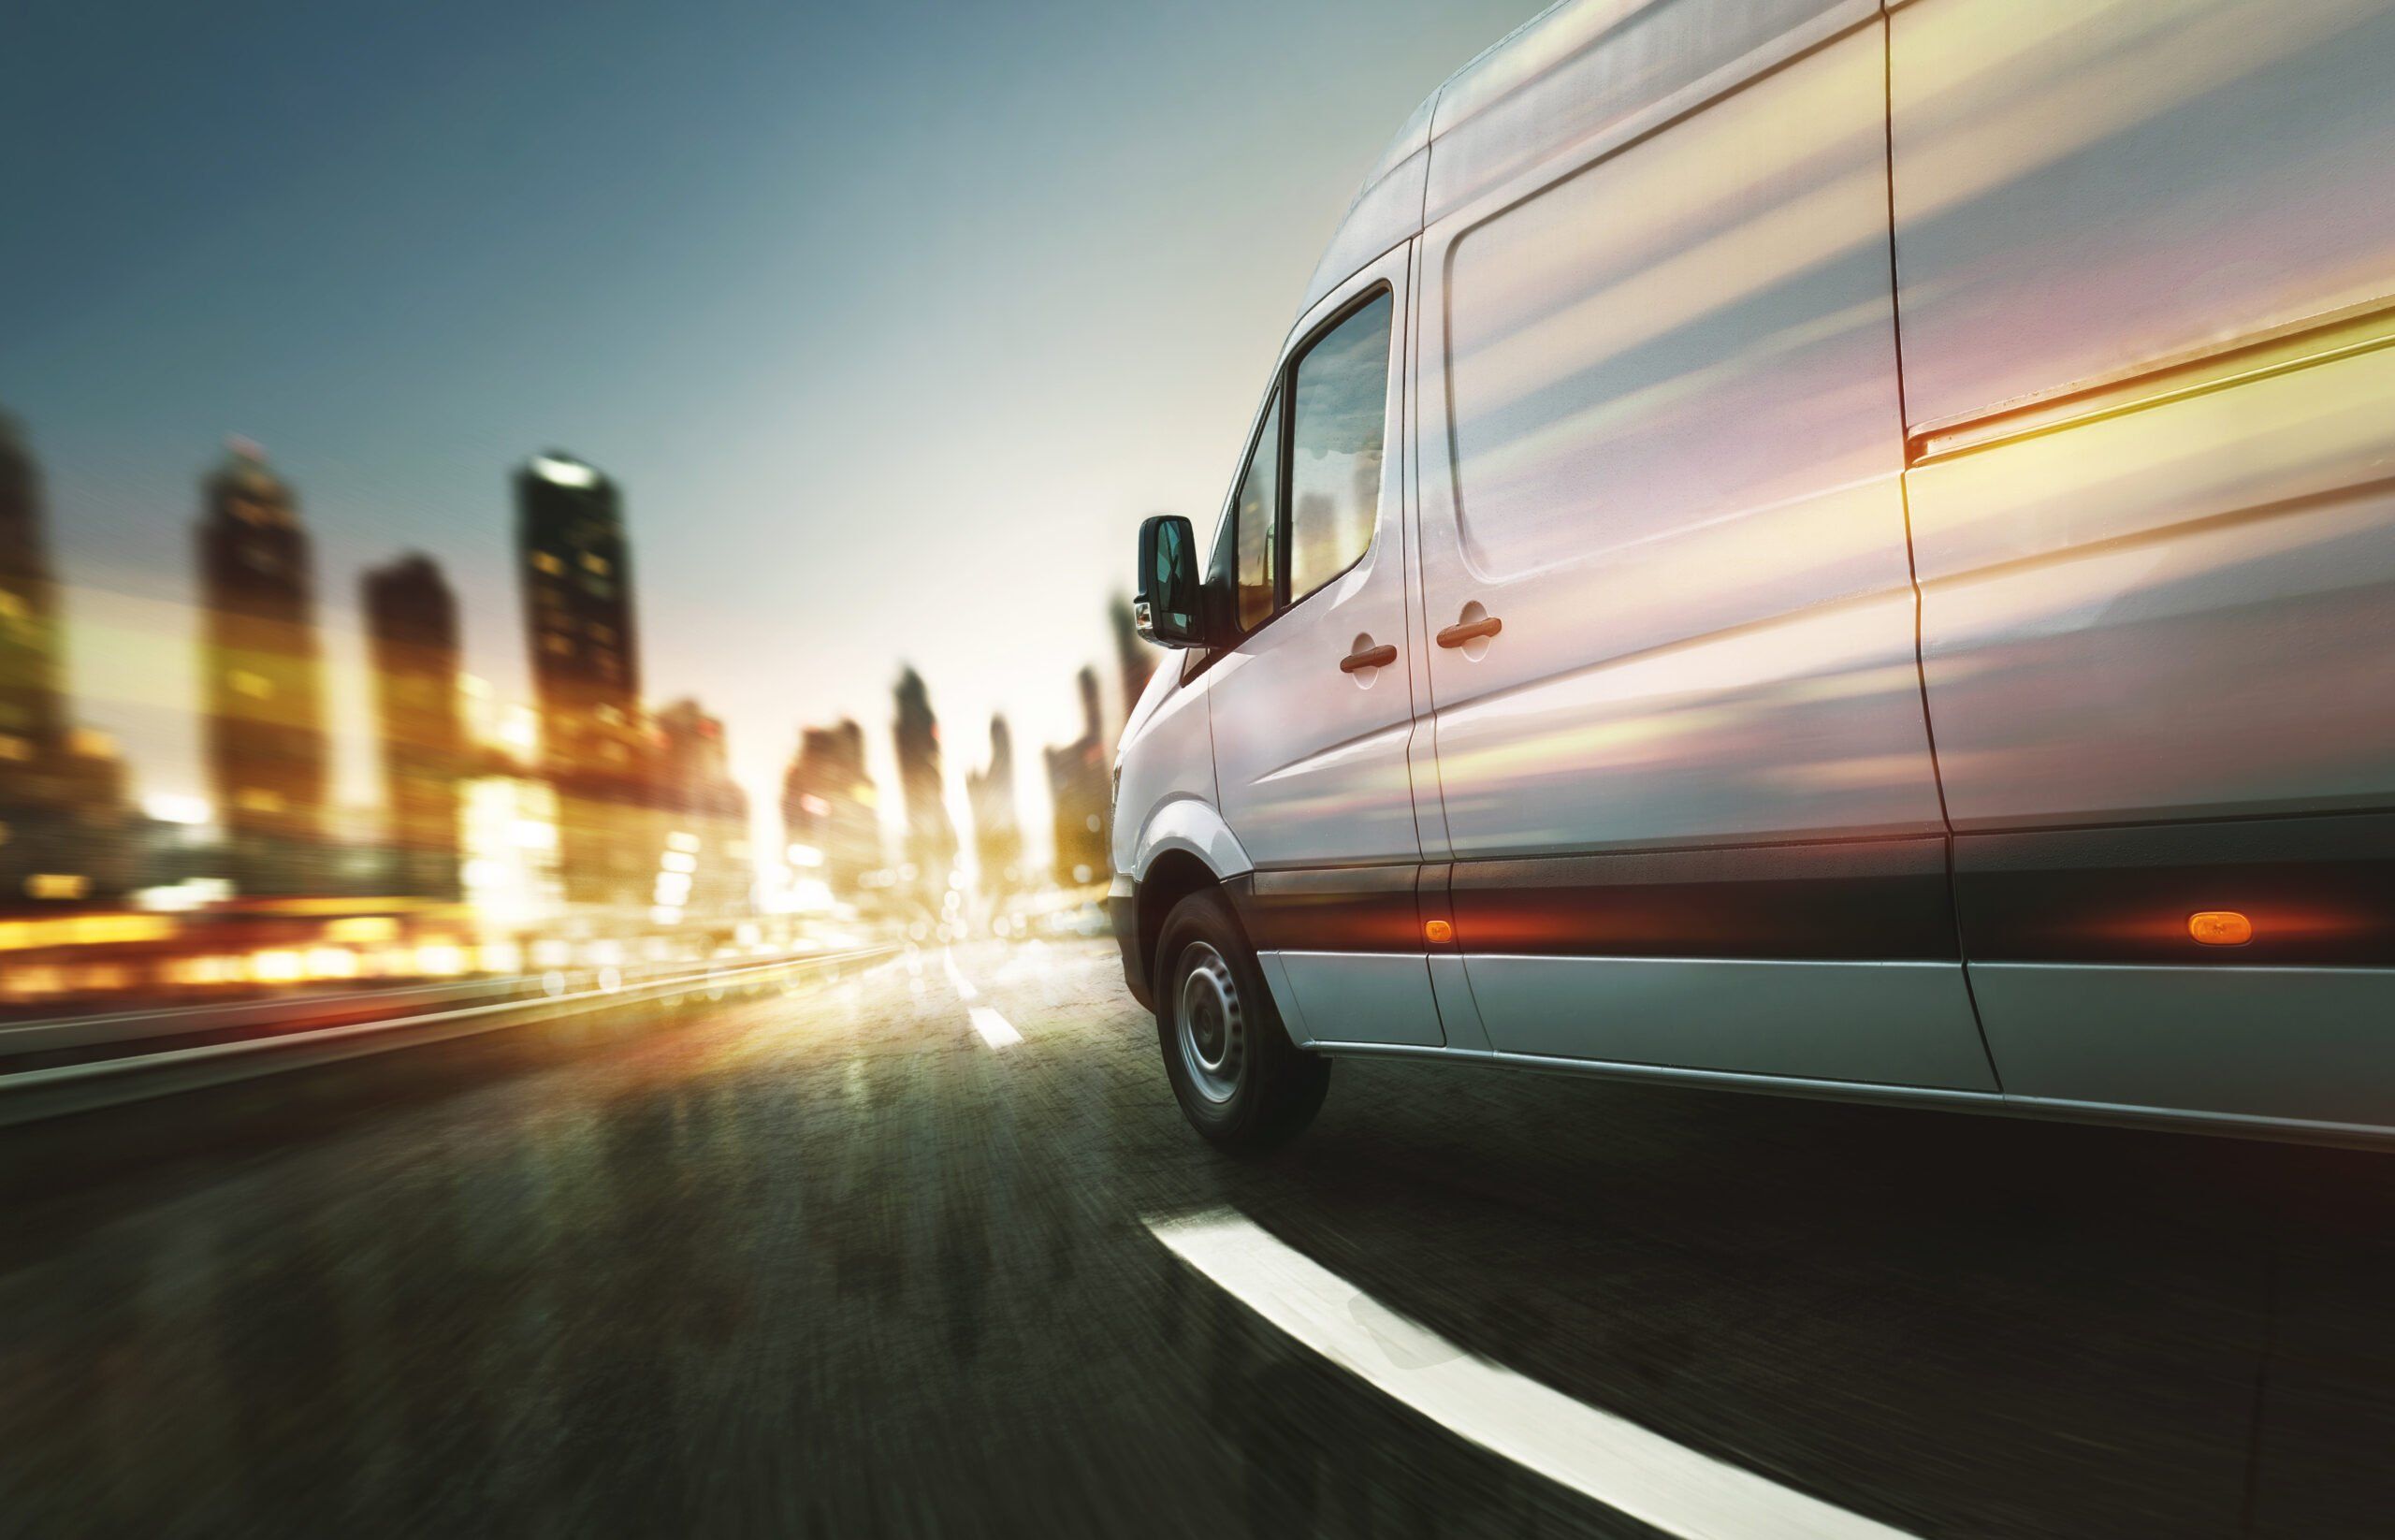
(265, 1036)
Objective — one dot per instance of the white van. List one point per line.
(1819, 546)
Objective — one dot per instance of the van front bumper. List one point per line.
(1122, 913)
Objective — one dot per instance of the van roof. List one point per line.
(1570, 73)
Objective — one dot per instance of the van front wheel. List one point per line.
(1239, 1079)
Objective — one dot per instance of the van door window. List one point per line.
(1339, 400)
(1258, 523)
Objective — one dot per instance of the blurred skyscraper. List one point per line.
(262, 677)
(509, 835)
(576, 569)
(707, 868)
(930, 836)
(412, 636)
(65, 830)
(998, 833)
(32, 713)
(1134, 659)
(829, 814)
(1079, 786)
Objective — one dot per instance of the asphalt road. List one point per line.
(831, 1262)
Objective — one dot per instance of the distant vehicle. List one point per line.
(1808, 548)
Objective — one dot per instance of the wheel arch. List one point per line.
(1171, 877)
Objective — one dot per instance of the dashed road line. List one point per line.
(996, 1029)
(1601, 1456)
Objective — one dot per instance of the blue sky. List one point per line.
(891, 320)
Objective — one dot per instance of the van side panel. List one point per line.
(1580, 73)
(2084, 188)
(2171, 592)
(2184, 611)
(2147, 267)
(1667, 454)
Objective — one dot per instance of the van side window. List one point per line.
(1339, 400)
(1257, 516)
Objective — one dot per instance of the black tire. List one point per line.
(1239, 1080)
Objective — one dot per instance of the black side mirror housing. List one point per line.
(1169, 605)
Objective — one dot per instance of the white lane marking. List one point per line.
(964, 986)
(1617, 1463)
(996, 1029)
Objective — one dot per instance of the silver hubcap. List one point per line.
(1211, 1030)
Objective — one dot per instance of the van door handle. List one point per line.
(1471, 630)
(1379, 657)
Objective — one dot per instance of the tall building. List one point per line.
(706, 870)
(412, 640)
(575, 566)
(829, 809)
(509, 817)
(262, 677)
(1135, 660)
(67, 833)
(31, 714)
(931, 838)
(508, 835)
(1079, 785)
(998, 833)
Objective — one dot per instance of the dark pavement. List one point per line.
(827, 1263)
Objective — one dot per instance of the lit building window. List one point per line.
(58, 886)
(15, 747)
(591, 563)
(257, 686)
(547, 562)
(257, 799)
(12, 606)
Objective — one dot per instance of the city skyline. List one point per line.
(242, 494)
(577, 254)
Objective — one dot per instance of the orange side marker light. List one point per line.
(2220, 928)
(1439, 931)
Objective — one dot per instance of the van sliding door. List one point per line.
(1686, 784)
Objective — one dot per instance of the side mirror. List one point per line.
(1166, 608)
